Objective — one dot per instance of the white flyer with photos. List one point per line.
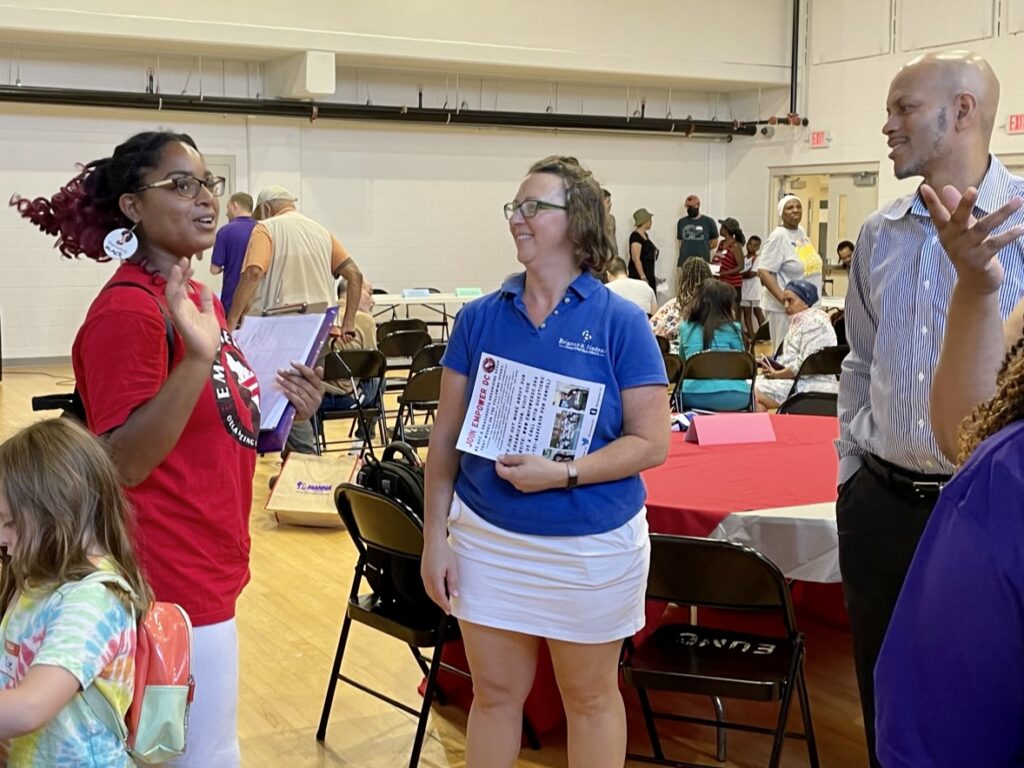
(519, 409)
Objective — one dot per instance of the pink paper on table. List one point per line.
(730, 429)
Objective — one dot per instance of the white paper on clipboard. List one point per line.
(271, 343)
(519, 409)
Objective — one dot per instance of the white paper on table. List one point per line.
(270, 344)
(519, 409)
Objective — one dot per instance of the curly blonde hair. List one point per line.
(1003, 409)
(593, 247)
(692, 275)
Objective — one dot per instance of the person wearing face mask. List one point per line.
(696, 235)
(787, 255)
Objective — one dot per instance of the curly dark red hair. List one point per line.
(84, 210)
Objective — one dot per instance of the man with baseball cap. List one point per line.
(696, 235)
(292, 259)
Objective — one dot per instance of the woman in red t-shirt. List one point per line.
(177, 405)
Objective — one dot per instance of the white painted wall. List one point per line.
(421, 206)
(414, 206)
(661, 39)
(846, 91)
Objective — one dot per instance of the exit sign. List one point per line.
(1015, 123)
(819, 139)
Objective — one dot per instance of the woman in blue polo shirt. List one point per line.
(527, 548)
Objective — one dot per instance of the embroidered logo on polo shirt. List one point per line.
(583, 346)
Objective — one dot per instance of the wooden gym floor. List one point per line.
(290, 615)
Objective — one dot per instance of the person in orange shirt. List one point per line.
(292, 260)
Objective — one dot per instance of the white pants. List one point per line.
(213, 717)
(778, 324)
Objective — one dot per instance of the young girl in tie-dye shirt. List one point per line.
(62, 517)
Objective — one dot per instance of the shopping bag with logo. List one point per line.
(304, 492)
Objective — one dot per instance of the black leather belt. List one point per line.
(899, 479)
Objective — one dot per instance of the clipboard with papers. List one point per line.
(270, 344)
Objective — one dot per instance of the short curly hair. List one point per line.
(1005, 407)
(593, 247)
(84, 210)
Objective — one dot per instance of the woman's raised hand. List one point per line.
(199, 327)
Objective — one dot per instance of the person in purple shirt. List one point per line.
(949, 682)
(229, 248)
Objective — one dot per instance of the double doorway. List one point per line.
(836, 201)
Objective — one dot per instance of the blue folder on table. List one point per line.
(270, 344)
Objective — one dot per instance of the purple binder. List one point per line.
(271, 440)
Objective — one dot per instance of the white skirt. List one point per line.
(751, 294)
(579, 589)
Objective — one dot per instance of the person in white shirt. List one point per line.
(637, 291)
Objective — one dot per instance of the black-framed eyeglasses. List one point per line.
(529, 208)
(189, 186)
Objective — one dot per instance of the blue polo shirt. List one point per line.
(229, 254)
(594, 335)
(949, 683)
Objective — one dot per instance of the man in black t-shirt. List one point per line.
(696, 235)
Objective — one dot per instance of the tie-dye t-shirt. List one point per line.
(85, 629)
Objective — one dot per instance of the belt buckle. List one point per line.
(925, 488)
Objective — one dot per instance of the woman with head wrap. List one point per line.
(809, 330)
(787, 255)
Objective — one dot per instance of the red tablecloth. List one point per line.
(697, 486)
(690, 494)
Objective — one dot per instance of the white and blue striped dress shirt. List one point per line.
(900, 284)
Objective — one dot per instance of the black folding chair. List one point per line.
(718, 364)
(421, 393)
(762, 335)
(705, 661)
(399, 324)
(381, 525)
(663, 344)
(428, 357)
(359, 365)
(400, 347)
(674, 371)
(811, 404)
(827, 361)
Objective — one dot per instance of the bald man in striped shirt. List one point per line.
(941, 111)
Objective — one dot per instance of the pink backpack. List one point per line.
(156, 724)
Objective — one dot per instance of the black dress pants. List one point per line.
(880, 517)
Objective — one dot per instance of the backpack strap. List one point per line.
(76, 407)
(168, 325)
(98, 703)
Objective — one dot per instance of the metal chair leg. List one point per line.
(652, 731)
(530, 733)
(805, 709)
(721, 732)
(332, 684)
(780, 728)
(428, 696)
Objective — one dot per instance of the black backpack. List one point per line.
(71, 404)
(398, 474)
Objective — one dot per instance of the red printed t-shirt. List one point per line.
(192, 512)
(729, 262)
